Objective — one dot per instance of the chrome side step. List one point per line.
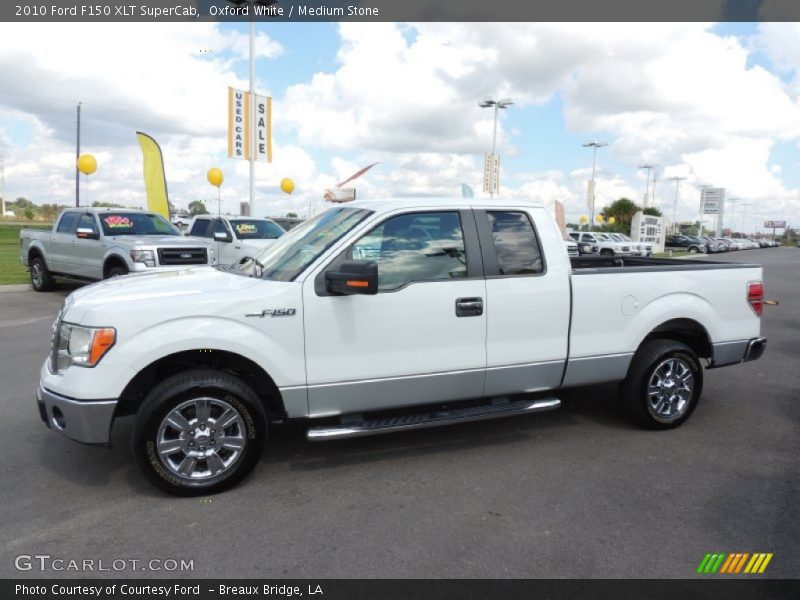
(432, 419)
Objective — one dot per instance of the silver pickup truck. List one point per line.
(89, 244)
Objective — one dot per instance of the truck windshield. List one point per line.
(294, 251)
(135, 224)
(254, 229)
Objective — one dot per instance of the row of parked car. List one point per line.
(606, 244)
(708, 245)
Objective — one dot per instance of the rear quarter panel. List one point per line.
(614, 312)
(34, 238)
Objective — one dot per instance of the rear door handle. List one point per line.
(469, 307)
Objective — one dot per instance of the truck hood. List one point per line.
(161, 293)
(160, 240)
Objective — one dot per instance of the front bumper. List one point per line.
(86, 421)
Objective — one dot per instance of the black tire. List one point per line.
(636, 399)
(692, 250)
(223, 392)
(117, 271)
(606, 252)
(41, 279)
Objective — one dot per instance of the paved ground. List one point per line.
(574, 493)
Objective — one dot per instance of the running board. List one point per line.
(432, 419)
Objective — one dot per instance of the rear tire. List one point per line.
(663, 386)
(199, 432)
(692, 250)
(606, 252)
(41, 279)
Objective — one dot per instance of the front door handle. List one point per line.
(469, 307)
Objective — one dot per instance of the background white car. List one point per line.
(235, 238)
(607, 245)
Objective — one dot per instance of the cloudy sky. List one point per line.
(715, 103)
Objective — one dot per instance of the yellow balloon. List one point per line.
(612, 220)
(583, 219)
(287, 185)
(599, 218)
(215, 177)
(87, 164)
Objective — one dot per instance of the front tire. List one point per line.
(199, 432)
(606, 252)
(692, 250)
(117, 271)
(41, 279)
(664, 384)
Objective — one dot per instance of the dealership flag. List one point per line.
(249, 126)
(155, 181)
(263, 128)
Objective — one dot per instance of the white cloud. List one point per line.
(678, 95)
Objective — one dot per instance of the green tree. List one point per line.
(291, 215)
(622, 210)
(196, 207)
(652, 211)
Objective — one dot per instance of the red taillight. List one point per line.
(755, 296)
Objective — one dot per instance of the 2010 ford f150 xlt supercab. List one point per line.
(381, 316)
(87, 244)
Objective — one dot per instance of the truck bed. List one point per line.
(609, 264)
(617, 301)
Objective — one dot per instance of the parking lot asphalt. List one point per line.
(578, 492)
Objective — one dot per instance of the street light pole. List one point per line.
(77, 156)
(744, 212)
(733, 211)
(648, 168)
(594, 145)
(677, 181)
(496, 105)
(251, 208)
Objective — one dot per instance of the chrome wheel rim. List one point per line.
(200, 440)
(670, 389)
(36, 275)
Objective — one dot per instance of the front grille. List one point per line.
(182, 256)
(572, 251)
(626, 248)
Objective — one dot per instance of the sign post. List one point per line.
(774, 225)
(491, 173)
(249, 130)
(712, 202)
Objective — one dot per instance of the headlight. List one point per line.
(81, 346)
(146, 257)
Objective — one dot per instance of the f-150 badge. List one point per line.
(274, 312)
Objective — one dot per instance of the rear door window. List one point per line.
(68, 222)
(516, 243)
(200, 228)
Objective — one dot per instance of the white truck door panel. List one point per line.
(89, 253)
(405, 345)
(528, 301)
(62, 241)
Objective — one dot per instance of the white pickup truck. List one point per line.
(88, 244)
(235, 238)
(382, 316)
